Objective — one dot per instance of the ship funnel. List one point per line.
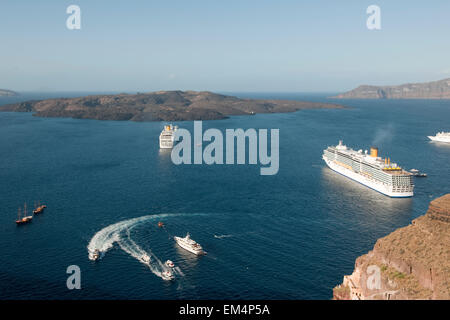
(373, 152)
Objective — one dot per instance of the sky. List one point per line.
(227, 45)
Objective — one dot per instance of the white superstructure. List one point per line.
(94, 255)
(441, 137)
(166, 138)
(167, 275)
(370, 170)
(190, 245)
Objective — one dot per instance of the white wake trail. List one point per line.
(130, 247)
(105, 238)
(119, 233)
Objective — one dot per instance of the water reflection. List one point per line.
(372, 207)
(188, 260)
(440, 144)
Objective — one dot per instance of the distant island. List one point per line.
(159, 106)
(428, 90)
(413, 262)
(7, 93)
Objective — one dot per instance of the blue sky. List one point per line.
(228, 45)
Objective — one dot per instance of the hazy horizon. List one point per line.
(232, 46)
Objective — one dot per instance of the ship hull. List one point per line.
(439, 139)
(188, 248)
(367, 182)
(165, 146)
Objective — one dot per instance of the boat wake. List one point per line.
(119, 233)
(221, 236)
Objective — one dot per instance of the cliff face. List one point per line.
(430, 90)
(411, 263)
(159, 106)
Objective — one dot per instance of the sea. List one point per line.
(293, 235)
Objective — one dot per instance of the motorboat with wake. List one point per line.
(94, 255)
(169, 264)
(167, 275)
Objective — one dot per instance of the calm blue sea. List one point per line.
(288, 236)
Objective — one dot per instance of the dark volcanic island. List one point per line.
(159, 106)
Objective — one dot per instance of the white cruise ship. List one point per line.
(190, 245)
(166, 138)
(370, 170)
(441, 137)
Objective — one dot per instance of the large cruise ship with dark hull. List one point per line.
(370, 170)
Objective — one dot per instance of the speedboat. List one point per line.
(169, 264)
(417, 173)
(145, 258)
(167, 275)
(94, 255)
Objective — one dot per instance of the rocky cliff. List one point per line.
(159, 106)
(411, 263)
(429, 90)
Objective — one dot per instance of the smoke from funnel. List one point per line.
(384, 134)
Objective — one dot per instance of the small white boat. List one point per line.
(169, 264)
(417, 173)
(145, 258)
(95, 255)
(167, 275)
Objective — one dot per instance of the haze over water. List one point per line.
(288, 236)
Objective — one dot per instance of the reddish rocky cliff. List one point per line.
(411, 263)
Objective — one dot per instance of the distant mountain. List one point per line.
(159, 106)
(7, 93)
(428, 90)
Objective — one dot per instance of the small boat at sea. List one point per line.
(160, 224)
(145, 258)
(169, 264)
(417, 173)
(39, 208)
(190, 245)
(167, 275)
(95, 255)
(23, 219)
